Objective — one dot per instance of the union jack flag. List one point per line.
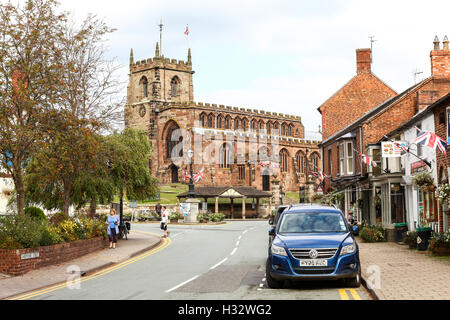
(401, 146)
(367, 160)
(185, 175)
(431, 140)
(199, 175)
(321, 175)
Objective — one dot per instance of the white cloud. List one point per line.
(284, 56)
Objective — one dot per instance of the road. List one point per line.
(199, 262)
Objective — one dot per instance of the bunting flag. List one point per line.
(199, 175)
(321, 175)
(185, 175)
(430, 139)
(367, 160)
(403, 147)
(187, 31)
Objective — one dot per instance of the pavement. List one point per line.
(136, 244)
(392, 271)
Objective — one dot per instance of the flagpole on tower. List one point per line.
(160, 25)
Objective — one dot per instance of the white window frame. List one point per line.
(349, 157)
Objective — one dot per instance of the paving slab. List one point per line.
(392, 271)
(137, 243)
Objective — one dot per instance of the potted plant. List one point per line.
(440, 243)
(173, 217)
(410, 239)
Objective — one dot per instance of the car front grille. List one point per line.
(322, 253)
(314, 271)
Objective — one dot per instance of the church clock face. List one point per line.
(142, 111)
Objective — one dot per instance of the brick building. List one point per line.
(359, 95)
(236, 146)
(341, 160)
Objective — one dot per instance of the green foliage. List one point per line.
(174, 216)
(410, 237)
(36, 213)
(202, 217)
(423, 179)
(374, 233)
(216, 217)
(58, 217)
(17, 232)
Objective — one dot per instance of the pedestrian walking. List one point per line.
(158, 209)
(113, 228)
(165, 221)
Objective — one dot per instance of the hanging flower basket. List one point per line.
(425, 181)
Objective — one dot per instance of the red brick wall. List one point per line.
(11, 262)
(442, 161)
(363, 93)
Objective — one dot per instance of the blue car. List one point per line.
(312, 242)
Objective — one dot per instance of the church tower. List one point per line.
(160, 79)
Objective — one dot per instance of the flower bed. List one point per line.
(19, 262)
(373, 234)
(28, 243)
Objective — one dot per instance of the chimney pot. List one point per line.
(445, 42)
(436, 42)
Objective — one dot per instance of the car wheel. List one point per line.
(354, 282)
(271, 282)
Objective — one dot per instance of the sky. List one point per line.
(282, 56)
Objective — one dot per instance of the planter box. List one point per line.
(19, 262)
(441, 250)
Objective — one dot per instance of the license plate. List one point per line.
(313, 263)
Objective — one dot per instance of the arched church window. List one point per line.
(301, 160)
(144, 86)
(210, 121)
(284, 156)
(173, 147)
(236, 124)
(174, 86)
(225, 156)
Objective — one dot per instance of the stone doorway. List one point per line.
(174, 174)
(265, 180)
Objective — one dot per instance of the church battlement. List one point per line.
(162, 63)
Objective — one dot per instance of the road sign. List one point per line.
(133, 204)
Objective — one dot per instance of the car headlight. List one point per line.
(348, 249)
(278, 250)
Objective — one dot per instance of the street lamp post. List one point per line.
(307, 175)
(191, 192)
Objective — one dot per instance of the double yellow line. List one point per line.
(165, 243)
(353, 292)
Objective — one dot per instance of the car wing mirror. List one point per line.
(272, 232)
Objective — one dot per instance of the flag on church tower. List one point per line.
(187, 31)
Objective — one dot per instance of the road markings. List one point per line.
(343, 294)
(216, 265)
(240, 237)
(353, 292)
(166, 242)
(182, 284)
(245, 232)
(234, 251)
(237, 244)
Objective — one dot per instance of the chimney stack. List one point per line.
(363, 61)
(440, 59)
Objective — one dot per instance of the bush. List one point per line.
(175, 216)
(410, 238)
(216, 217)
(58, 217)
(36, 213)
(17, 232)
(202, 217)
(373, 234)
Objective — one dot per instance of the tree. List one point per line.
(30, 72)
(130, 153)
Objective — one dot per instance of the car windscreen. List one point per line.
(312, 222)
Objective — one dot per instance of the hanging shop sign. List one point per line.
(417, 167)
(392, 149)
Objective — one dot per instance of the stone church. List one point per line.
(257, 148)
